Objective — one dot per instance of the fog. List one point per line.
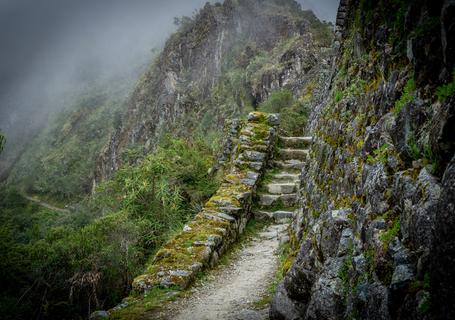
(52, 48)
(324, 9)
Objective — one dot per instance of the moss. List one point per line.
(144, 307)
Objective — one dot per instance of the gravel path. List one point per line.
(231, 290)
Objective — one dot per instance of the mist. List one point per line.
(52, 49)
(325, 10)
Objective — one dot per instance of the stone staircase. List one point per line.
(277, 196)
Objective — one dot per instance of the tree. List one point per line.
(2, 142)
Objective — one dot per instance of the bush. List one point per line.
(2, 142)
(293, 114)
(445, 91)
(56, 267)
(277, 101)
(406, 97)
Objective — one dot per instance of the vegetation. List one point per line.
(59, 265)
(60, 163)
(293, 113)
(2, 142)
(380, 154)
(447, 90)
(406, 97)
(67, 265)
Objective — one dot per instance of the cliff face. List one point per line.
(203, 76)
(376, 214)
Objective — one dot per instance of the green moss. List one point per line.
(146, 306)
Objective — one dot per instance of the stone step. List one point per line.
(286, 177)
(270, 200)
(278, 215)
(293, 154)
(289, 164)
(296, 142)
(281, 188)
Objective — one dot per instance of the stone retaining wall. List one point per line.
(222, 219)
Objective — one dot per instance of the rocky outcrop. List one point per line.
(227, 57)
(375, 218)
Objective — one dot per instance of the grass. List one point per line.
(380, 155)
(406, 97)
(445, 91)
(388, 236)
(141, 309)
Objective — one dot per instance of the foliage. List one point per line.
(380, 154)
(388, 236)
(60, 161)
(406, 97)
(277, 101)
(2, 142)
(165, 189)
(413, 148)
(62, 266)
(338, 96)
(447, 90)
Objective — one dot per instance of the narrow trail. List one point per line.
(232, 290)
(45, 205)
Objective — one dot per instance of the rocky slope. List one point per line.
(376, 211)
(220, 64)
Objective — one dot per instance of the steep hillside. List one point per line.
(220, 64)
(376, 215)
(59, 162)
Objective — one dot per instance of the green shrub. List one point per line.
(406, 97)
(2, 142)
(277, 101)
(338, 96)
(445, 91)
(62, 266)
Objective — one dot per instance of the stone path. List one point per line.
(232, 290)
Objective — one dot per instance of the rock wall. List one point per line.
(376, 214)
(223, 217)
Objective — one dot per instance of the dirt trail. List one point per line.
(232, 290)
(45, 205)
